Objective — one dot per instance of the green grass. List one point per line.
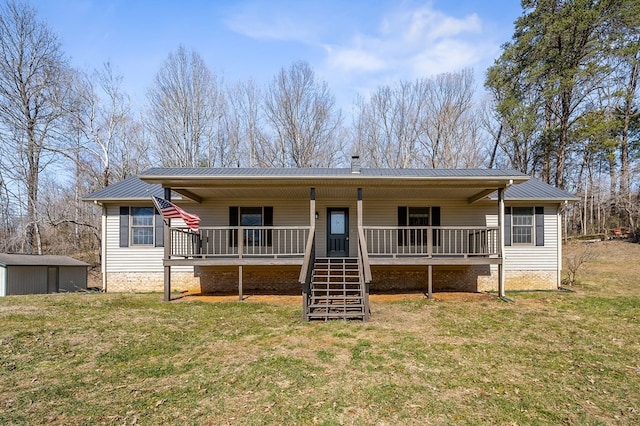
(548, 358)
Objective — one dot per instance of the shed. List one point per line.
(40, 274)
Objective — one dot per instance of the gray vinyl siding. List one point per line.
(72, 278)
(27, 280)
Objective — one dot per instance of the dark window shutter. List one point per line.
(267, 220)
(507, 226)
(159, 229)
(124, 226)
(233, 221)
(402, 221)
(435, 221)
(539, 226)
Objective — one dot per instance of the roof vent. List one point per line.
(355, 164)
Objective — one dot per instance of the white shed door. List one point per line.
(3, 282)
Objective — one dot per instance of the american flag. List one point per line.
(171, 211)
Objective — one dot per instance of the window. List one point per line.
(338, 223)
(251, 217)
(142, 226)
(418, 216)
(522, 225)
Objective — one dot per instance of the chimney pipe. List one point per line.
(355, 164)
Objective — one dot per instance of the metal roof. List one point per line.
(134, 189)
(209, 172)
(131, 188)
(535, 189)
(38, 260)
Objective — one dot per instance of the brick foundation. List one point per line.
(412, 278)
(531, 280)
(265, 280)
(284, 280)
(150, 282)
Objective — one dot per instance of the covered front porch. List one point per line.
(378, 221)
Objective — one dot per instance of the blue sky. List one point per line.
(354, 45)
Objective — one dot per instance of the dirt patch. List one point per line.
(296, 300)
(274, 299)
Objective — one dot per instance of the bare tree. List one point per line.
(132, 155)
(244, 103)
(452, 125)
(32, 96)
(183, 111)
(428, 123)
(303, 119)
(388, 128)
(101, 122)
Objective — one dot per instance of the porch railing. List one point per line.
(239, 241)
(431, 241)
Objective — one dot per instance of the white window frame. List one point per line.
(515, 236)
(133, 226)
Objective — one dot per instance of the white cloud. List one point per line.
(359, 52)
(407, 39)
(286, 21)
(406, 44)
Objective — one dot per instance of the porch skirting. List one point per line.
(471, 278)
(284, 279)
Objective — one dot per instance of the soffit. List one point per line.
(288, 192)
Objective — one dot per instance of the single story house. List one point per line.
(41, 274)
(333, 232)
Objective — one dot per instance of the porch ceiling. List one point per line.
(296, 192)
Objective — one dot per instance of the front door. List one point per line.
(338, 232)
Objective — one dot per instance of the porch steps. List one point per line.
(337, 290)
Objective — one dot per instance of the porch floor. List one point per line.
(442, 260)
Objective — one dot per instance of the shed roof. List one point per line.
(7, 259)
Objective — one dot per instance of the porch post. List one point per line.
(359, 205)
(240, 283)
(501, 242)
(430, 282)
(360, 255)
(167, 251)
(312, 207)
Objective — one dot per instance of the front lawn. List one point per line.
(547, 358)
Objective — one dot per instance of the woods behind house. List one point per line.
(560, 103)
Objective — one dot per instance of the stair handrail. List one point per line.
(363, 254)
(363, 257)
(306, 271)
(309, 254)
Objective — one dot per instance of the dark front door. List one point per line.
(338, 232)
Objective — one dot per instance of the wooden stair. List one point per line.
(337, 290)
